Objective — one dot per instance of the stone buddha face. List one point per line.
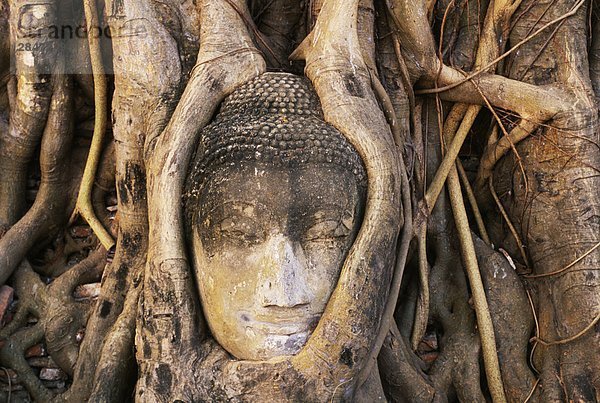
(276, 203)
(268, 252)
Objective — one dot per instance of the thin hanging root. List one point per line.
(493, 152)
(572, 338)
(84, 205)
(473, 202)
(537, 332)
(567, 267)
(511, 227)
(388, 108)
(535, 385)
(484, 319)
(422, 310)
(450, 157)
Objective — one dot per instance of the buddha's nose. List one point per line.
(285, 282)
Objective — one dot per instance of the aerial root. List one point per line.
(567, 267)
(456, 127)
(473, 202)
(455, 130)
(509, 223)
(533, 388)
(422, 309)
(84, 206)
(484, 319)
(568, 339)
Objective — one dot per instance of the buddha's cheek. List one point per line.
(227, 287)
(326, 261)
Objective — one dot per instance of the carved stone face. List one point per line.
(269, 246)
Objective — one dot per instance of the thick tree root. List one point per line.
(561, 165)
(60, 320)
(48, 213)
(12, 354)
(29, 110)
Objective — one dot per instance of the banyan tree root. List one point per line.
(561, 164)
(60, 319)
(34, 87)
(451, 314)
(100, 373)
(84, 205)
(547, 110)
(48, 213)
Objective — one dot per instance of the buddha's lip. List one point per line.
(280, 326)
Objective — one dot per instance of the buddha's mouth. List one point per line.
(281, 326)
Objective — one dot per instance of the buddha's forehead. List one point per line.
(264, 189)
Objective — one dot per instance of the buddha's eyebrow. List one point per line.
(328, 209)
(232, 202)
(334, 207)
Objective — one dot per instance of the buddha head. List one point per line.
(273, 202)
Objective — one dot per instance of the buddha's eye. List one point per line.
(327, 231)
(241, 231)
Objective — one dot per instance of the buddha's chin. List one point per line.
(279, 345)
(258, 345)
